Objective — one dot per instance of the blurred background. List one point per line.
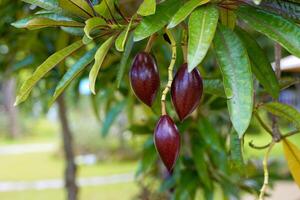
(112, 144)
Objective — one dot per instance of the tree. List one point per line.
(208, 32)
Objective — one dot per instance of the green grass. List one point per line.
(36, 166)
(126, 191)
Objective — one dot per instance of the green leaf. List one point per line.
(84, 5)
(46, 4)
(214, 87)
(91, 24)
(99, 57)
(124, 59)
(237, 77)
(148, 7)
(121, 40)
(276, 27)
(236, 155)
(198, 154)
(284, 111)
(228, 18)
(286, 82)
(283, 7)
(73, 31)
(202, 27)
(77, 7)
(103, 10)
(209, 134)
(154, 23)
(73, 72)
(261, 66)
(149, 157)
(41, 22)
(45, 67)
(111, 116)
(184, 11)
(95, 107)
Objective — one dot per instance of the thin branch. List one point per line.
(150, 43)
(92, 7)
(170, 72)
(275, 129)
(120, 13)
(110, 12)
(258, 147)
(263, 124)
(266, 172)
(290, 134)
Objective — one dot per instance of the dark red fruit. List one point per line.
(167, 141)
(186, 91)
(144, 78)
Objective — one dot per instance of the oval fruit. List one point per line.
(167, 141)
(144, 78)
(186, 91)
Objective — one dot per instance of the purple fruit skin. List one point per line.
(186, 91)
(144, 78)
(167, 141)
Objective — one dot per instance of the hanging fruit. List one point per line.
(186, 91)
(167, 141)
(144, 78)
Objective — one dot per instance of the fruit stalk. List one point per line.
(150, 43)
(170, 72)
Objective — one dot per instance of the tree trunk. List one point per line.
(9, 91)
(70, 171)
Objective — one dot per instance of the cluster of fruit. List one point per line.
(186, 92)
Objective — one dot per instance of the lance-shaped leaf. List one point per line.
(237, 77)
(228, 18)
(124, 59)
(198, 153)
(236, 154)
(105, 8)
(282, 7)
(184, 11)
(154, 23)
(121, 40)
(284, 111)
(111, 116)
(46, 4)
(214, 87)
(73, 72)
(99, 57)
(261, 66)
(276, 27)
(292, 155)
(42, 22)
(148, 158)
(202, 27)
(77, 7)
(45, 67)
(92, 24)
(148, 7)
(73, 31)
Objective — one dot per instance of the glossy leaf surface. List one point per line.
(237, 77)
(276, 27)
(154, 23)
(202, 26)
